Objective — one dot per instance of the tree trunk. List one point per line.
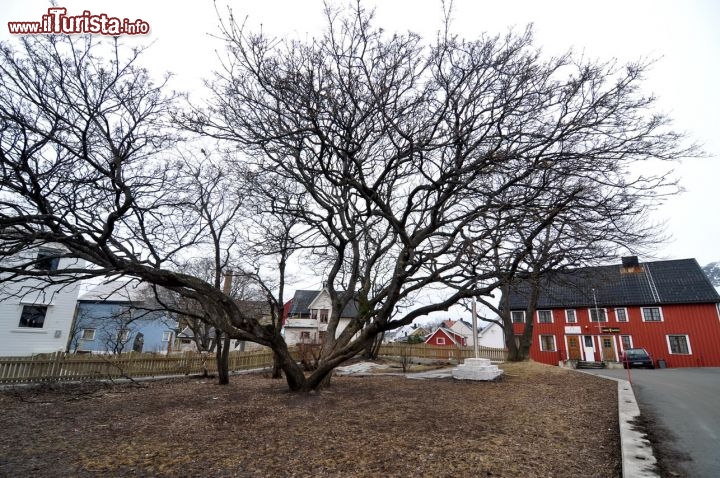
(222, 355)
(277, 367)
(373, 347)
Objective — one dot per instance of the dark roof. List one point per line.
(661, 282)
(302, 299)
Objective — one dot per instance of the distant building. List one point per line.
(114, 317)
(36, 316)
(593, 314)
(445, 337)
(308, 314)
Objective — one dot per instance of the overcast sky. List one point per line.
(683, 35)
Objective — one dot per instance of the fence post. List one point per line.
(56, 367)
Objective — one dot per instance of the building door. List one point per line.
(588, 348)
(608, 347)
(573, 344)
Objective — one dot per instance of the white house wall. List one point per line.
(53, 335)
(492, 337)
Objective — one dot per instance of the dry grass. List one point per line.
(537, 421)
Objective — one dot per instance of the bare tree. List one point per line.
(397, 150)
(401, 148)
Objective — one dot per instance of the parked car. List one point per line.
(637, 358)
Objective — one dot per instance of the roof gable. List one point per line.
(303, 299)
(447, 333)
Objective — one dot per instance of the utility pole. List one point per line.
(475, 328)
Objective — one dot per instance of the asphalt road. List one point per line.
(686, 402)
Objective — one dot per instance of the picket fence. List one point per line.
(435, 352)
(61, 366)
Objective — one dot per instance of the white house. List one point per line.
(36, 314)
(491, 335)
(308, 314)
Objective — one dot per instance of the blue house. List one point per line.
(115, 317)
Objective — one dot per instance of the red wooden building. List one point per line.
(593, 314)
(445, 337)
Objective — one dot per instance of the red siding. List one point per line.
(432, 340)
(699, 322)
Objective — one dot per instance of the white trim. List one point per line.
(537, 313)
(512, 319)
(554, 343)
(82, 334)
(440, 340)
(604, 313)
(687, 342)
(602, 346)
(631, 342)
(30, 330)
(642, 314)
(627, 317)
(567, 320)
(167, 335)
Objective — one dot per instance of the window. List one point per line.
(314, 314)
(544, 316)
(322, 335)
(304, 336)
(598, 315)
(440, 340)
(588, 341)
(123, 335)
(323, 316)
(626, 342)
(166, 336)
(652, 314)
(47, 260)
(517, 316)
(621, 314)
(33, 316)
(679, 344)
(570, 316)
(547, 343)
(87, 334)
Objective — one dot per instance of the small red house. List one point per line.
(593, 314)
(445, 338)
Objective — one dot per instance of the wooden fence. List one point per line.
(434, 352)
(60, 366)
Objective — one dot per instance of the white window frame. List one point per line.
(567, 317)
(544, 310)
(627, 317)
(123, 335)
(440, 340)
(642, 313)
(604, 314)
(33, 306)
(622, 345)
(323, 316)
(542, 343)
(687, 342)
(166, 336)
(92, 336)
(512, 316)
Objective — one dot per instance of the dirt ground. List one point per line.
(535, 421)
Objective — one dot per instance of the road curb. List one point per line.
(638, 459)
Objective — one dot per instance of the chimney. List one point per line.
(630, 264)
